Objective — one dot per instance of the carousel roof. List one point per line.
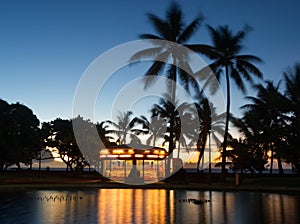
(133, 151)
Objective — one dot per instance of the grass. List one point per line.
(18, 180)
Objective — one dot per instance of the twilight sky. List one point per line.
(47, 45)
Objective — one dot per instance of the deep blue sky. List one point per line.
(47, 45)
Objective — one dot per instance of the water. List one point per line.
(146, 206)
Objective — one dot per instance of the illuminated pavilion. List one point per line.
(133, 163)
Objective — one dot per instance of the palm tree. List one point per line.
(292, 92)
(124, 126)
(185, 124)
(172, 28)
(166, 109)
(227, 60)
(156, 128)
(104, 133)
(253, 139)
(210, 123)
(292, 88)
(270, 108)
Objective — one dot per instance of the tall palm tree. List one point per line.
(185, 124)
(225, 53)
(166, 109)
(172, 28)
(210, 123)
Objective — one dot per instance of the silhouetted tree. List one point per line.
(253, 139)
(105, 133)
(210, 122)
(292, 92)
(270, 109)
(225, 53)
(20, 140)
(172, 28)
(62, 138)
(124, 127)
(4, 109)
(241, 156)
(181, 112)
(156, 128)
(88, 141)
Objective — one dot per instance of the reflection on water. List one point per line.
(147, 206)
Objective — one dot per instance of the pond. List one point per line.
(147, 206)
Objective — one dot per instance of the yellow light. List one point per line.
(125, 156)
(118, 151)
(112, 156)
(161, 156)
(131, 151)
(162, 152)
(104, 151)
(147, 151)
(156, 151)
(152, 156)
(139, 156)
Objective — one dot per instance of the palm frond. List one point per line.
(147, 53)
(149, 36)
(249, 58)
(235, 75)
(189, 30)
(174, 18)
(204, 49)
(153, 72)
(160, 25)
(251, 67)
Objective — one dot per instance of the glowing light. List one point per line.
(161, 156)
(147, 151)
(156, 151)
(152, 156)
(118, 151)
(125, 156)
(104, 151)
(139, 155)
(112, 156)
(131, 151)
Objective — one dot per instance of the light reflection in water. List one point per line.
(147, 206)
(135, 206)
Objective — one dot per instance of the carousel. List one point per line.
(133, 163)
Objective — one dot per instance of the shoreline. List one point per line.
(160, 185)
(31, 180)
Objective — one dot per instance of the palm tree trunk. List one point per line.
(199, 157)
(201, 148)
(18, 165)
(154, 140)
(280, 168)
(178, 148)
(272, 158)
(223, 171)
(172, 119)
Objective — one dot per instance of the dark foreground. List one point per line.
(16, 180)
